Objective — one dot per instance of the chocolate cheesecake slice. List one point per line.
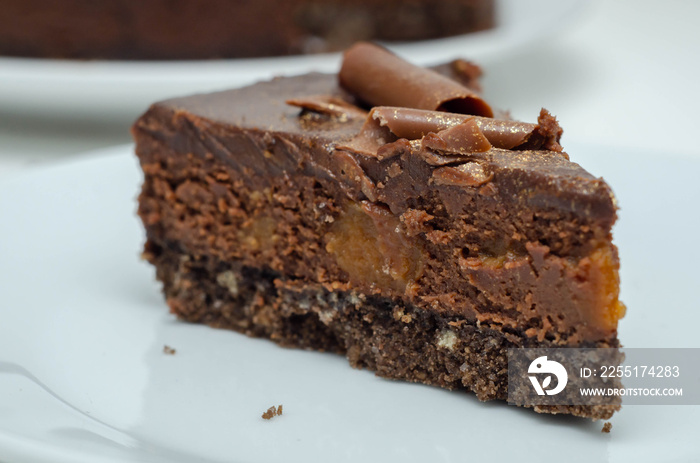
(387, 213)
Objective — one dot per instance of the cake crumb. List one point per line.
(606, 427)
(272, 412)
(168, 350)
(447, 339)
(229, 281)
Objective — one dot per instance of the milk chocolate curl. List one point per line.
(414, 124)
(462, 138)
(370, 139)
(380, 78)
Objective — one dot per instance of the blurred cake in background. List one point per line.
(200, 29)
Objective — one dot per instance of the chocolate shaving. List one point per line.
(415, 123)
(380, 78)
(440, 134)
(328, 105)
(433, 158)
(459, 139)
(546, 135)
(370, 139)
(393, 149)
(463, 71)
(470, 174)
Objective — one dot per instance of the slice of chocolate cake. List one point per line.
(384, 214)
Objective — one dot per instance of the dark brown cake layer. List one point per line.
(196, 29)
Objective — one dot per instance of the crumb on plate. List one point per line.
(272, 412)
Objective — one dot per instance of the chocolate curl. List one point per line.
(445, 147)
(328, 105)
(380, 78)
(449, 133)
(370, 139)
(462, 138)
(414, 124)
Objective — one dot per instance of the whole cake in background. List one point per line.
(386, 213)
(200, 29)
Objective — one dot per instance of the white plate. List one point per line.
(83, 376)
(122, 89)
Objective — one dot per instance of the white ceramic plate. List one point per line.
(83, 376)
(123, 89)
